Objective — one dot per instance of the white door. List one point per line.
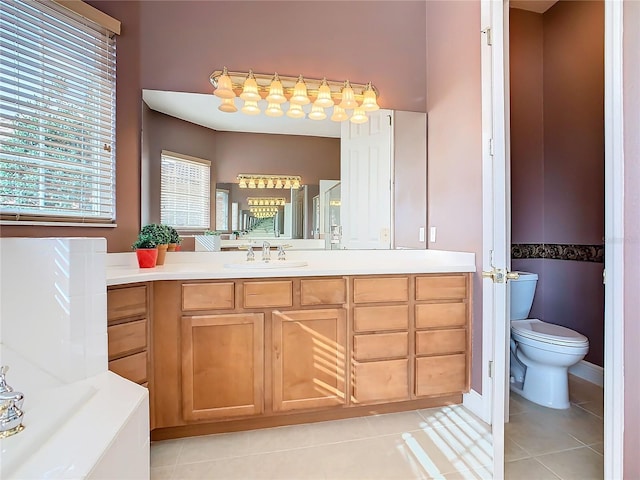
(496, 217)
(365, 173)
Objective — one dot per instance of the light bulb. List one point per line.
(348, 97)
(296, 183)
(273, 110)
(252, 183)
(261, 183)
(250, 108)
(295, 111)
(299, 96)
(287, 183)
(279, 183)
(225, 86)
(250, 89)
(339, 114)
(359, 116)
(370, 101)
(270, 183)
(228, 106)
(324, 99)
(276, 93)
(317, 113)
(242, 183)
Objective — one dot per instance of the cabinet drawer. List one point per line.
(431, 315)
(440, 375)
(208, 296)
(368, 319)
(378, 290)
(126, 302)
(441, 287)
(381, 381)
(323, 292)
(133, 367)
(438, 342)
(268, 294)
(380, 345)
(127, 338)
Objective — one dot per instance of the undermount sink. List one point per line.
(259, 265)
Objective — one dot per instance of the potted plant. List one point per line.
(146, 250)
(174, 240)
(160, 234)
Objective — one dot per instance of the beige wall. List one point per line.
(454, 133)
(631, 62)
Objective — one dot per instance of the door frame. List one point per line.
(614, 235)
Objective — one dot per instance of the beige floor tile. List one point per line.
(450, 448)
(162, 473)
(518, 404)
(335, 431)
(538, 435)
(598, 447)
(165, 452)
(451, 415)
(579, 464)
(595, 408)
(527, 469)
(372, 458)
(513, 451)
(581, 391)
(396, 422)
(279, 438)
(479, 474)
(302, 463)
(213, 447)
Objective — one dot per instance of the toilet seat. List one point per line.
(540, 331)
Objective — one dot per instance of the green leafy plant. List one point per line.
(144, 240)
(159, 233)
(211, 232)
(174, 236)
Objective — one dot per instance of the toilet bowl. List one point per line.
(541, 352)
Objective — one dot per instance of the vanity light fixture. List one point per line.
(348, 100)
(268, 181)
(266, 201)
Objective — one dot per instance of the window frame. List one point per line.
(47, 157)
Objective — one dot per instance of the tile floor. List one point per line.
(447, 443)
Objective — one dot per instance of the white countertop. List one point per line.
(122, 267)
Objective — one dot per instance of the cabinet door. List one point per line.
(309, 363)
(222, 365)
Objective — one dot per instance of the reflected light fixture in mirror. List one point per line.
(246, 180)
(266, 201)
(348, 100)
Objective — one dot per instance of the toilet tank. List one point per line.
(522, 291)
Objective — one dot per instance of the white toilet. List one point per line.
(541, 353)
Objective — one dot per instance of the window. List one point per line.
(57, 115)
(222, 210)
(184, 191)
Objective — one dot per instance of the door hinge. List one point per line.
(491, 147)
(490, 368)
(389, 116)
(604, 276)
(487, 32)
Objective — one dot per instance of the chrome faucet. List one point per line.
(10, 407)
(250, 255)
(266, 251)
(281, 254)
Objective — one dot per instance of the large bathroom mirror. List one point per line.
(243, 144)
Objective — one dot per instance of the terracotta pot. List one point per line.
(172, 247)
(178, 247)
(162, 252)
(147, 257)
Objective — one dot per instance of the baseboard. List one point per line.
(474, 402)
(589, 372)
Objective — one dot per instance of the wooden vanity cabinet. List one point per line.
(442, 334)
(222, 365)
(308, 351)
(380, 347)
(127, 331)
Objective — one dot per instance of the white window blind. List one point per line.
(57, 115)
(185, 192)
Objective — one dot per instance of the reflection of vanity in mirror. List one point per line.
(378, 202)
